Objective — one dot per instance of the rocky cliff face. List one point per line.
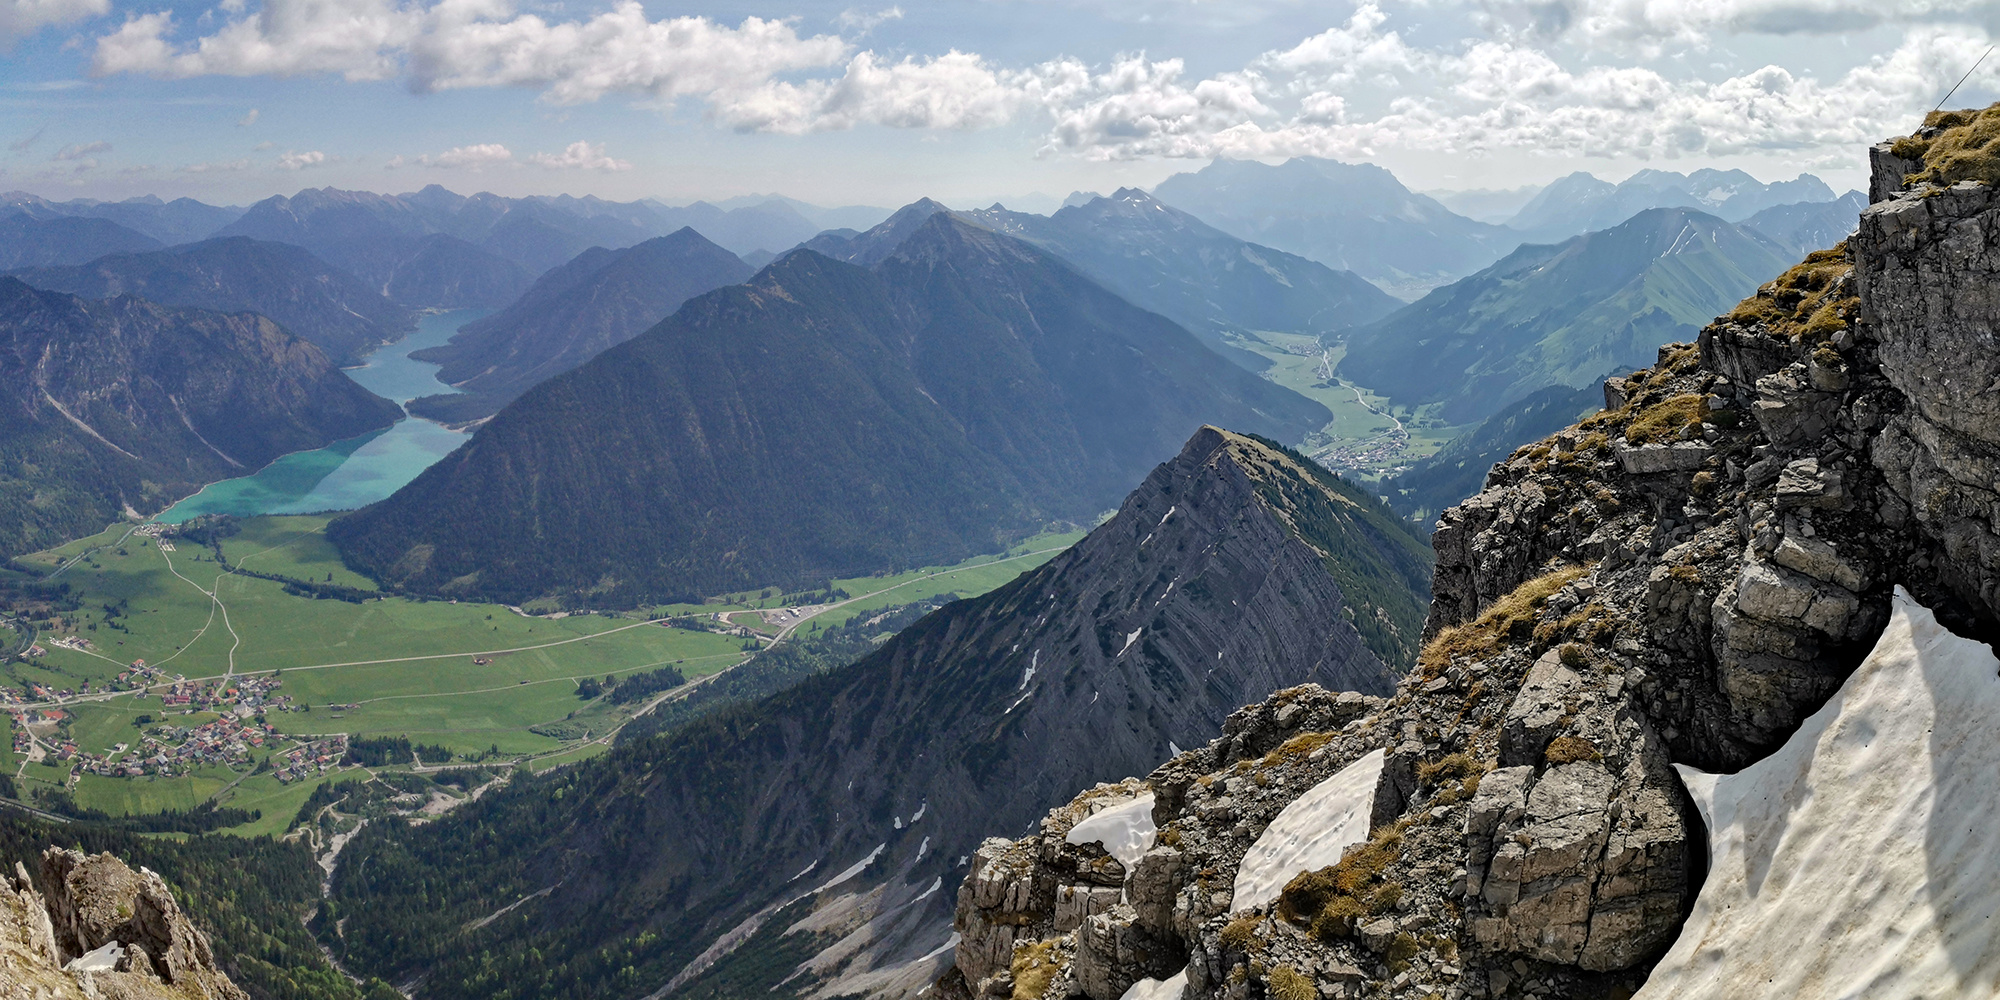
(100, 931)
(1681, 578)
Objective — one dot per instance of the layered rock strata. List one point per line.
(1681, 578)
(100, 930)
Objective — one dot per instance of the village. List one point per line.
(237, 739)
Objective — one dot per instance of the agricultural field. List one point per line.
(1368, 436)
(245, 676)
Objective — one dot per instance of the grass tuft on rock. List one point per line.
(1034, 967)
(1663, 422)
(1287, 983)
(1814, 300)
(1570, 749)
(1954, 146)
(1334, 899)
(1502, 619)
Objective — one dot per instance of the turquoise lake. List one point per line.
(360, 470)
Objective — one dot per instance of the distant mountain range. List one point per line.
(822, 420)
(1490, 205)
(389, 242)
(26, 241)
(123, 405)
(1236, 568)
(572, 314)
(1163, 259)
(310, 298)
(1358, 217)
(1157, 257)
(182, 220)
(1810, 226)
(1566, 313)
(1581, 203)
(1348, 216)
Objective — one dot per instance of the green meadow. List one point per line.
(1365, 424)
(470, 677)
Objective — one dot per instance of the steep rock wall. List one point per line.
(1682, 578)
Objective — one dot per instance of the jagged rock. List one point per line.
(1113, 951)
(1804, 484)
(1004, 896)
(102, 932)
(1651, 458)
(1603, 612)
(1931, 260)
(1819, 560)
(1540, 711)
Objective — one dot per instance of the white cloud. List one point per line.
(82, 150)
(248, 120)
(956, 90)
(300, 161)
(1652, 24)
(473, 158)
(1489, 95)
(580, 156)
(1347, 91)
(862, 22)
(475, 43)
(21, 18)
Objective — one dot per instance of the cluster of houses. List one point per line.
(169, 750)
(137, 677)
(256, 692)
(309, 759)
(1388, 452)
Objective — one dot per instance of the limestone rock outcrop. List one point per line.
(101, 931)
(1682, 578)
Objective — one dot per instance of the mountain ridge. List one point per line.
(121, 405)
(308, 297)
(598, 300)
(680, 846)
(1566, 313)
(983, 385)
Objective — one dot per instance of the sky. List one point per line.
(967, 101)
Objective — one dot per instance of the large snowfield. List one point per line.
(1861, 860)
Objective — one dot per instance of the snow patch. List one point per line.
(922, 849)
(1170, 988)
(949, 944)
(104, 959)
(1034, 664)
(921, 806)
(854, 869)
(1174, 749)
(899, 822)
(1017, 702)
(1168, 514)
(1125, 831)
(808, 871)
(1309, 834)
(1862, 859)
(1131, 638)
